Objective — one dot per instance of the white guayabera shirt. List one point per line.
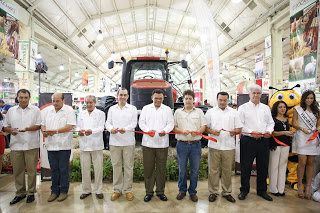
(55, 120)
(19, 118)
(125, 118)
(159, 120)
(95, 122)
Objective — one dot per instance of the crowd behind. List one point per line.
(260, 129)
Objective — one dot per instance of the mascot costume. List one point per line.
(292, 99)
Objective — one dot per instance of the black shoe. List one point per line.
(30, 198)
(265, 196)
(242, 195)
(162, 197)
(282, 194)
(17, 199)
(147, 198)
(276, 194)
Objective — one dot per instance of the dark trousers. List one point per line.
(251, 148)
(59, 164)
(154, 163)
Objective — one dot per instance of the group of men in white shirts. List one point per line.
(157, 120)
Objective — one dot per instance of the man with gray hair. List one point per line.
(258, 124)
(90, 125)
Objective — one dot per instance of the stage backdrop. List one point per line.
(45, 101)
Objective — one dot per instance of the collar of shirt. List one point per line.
(125, 106)
(93, 111)
(24, 108)
(153, 106)
(193, 108)
(63, 108)
(219, 109)
(254, 105)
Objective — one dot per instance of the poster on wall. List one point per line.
(258, 71)
(21, 64)
(33, 53)
(304, 27)
(9, 29)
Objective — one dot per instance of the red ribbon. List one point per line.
(250, 133)
(314, 136)
(149, 133)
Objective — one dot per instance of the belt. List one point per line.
(253, 137)
(190, 142)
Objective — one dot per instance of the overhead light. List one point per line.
(267, 76)
(284, 39)
(236, 1)
(77, 74)
(61, 67)
(38, 56)
(100, 36)
(5, 80)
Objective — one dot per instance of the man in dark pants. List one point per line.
(57, 122)
(155, 118)
(256, 118)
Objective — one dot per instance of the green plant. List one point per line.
(138, 171)
(172, 170)
(75, 171)
(107, 170)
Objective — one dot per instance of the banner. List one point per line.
(33, 55)
(11, 7)
(267, 46)
(21, 64)
(85, 78)
(44, 102)
(9, 34)
(258, 71)
(209, 42)
(304, 28)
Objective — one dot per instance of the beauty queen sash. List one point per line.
(308, 121)
(306, 118)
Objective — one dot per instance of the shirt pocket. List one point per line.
(230, 124)
(62, 121)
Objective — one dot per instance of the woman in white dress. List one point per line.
(306, 122)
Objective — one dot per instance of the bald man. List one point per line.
(56, 122)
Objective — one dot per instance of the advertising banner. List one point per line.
(33, 55)
(21, 64)
(258, 71)
(304, 34)
(9, 29)
(209, 43)
(85, 78)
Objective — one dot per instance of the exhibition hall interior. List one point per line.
(159, 106)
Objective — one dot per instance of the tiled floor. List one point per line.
(253, 203)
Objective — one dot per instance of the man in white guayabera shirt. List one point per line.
(57, 122)
(155, 118)
(121, 118)
(221, 153)
(23, 122)
(90, 125)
